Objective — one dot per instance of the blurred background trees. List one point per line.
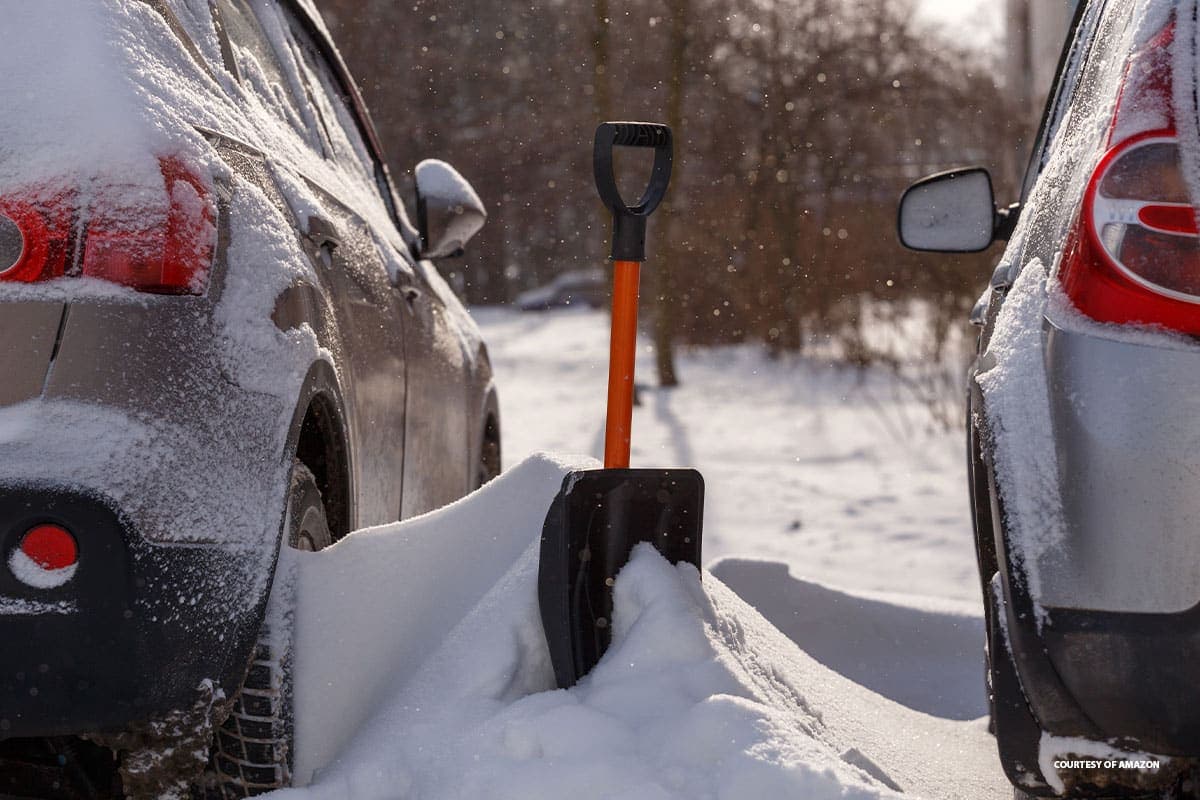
(799, 123)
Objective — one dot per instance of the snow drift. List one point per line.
(424, 673)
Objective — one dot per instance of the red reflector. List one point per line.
(1170, 218)
(50, 547)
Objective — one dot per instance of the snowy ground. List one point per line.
(827, 469)
(840, 657)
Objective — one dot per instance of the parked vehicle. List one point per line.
(584, 287)
(1082, 413)
(221, 336)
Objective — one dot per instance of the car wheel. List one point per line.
(252, 750)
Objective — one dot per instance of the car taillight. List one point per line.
(159, 240)
(34, 237)
(1134, 256)
(46, 557)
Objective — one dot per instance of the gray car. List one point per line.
(1082, 413)
(222, 337)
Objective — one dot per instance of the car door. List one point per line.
(371, 355)
(438, 467)
(331, 201)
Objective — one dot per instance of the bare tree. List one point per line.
(798, 123)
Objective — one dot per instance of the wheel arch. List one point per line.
(490, 449)
(320, 439)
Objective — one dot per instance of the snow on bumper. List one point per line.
(176, 524)
(130, 638)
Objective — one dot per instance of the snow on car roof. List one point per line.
(107, 88)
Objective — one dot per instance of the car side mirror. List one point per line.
(953, 212)
(449, 212)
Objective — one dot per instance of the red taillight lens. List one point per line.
(1139, 218)
(34, 237)
(162, 244)
(1135, 254)
(50, 547)
(159, 241)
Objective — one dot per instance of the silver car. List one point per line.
(221, 337)
(1083, 403)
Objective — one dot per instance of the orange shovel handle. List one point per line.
(622, 351)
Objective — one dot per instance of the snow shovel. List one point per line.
(599, 515)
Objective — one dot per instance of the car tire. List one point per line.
(488, 466)
(252, 750)
(1018, 734)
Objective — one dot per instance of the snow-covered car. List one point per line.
(221, 338)
(587, 287)
(1082, 418)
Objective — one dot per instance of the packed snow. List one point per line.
(424, 672)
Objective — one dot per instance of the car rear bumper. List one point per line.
(141, 633)
(1131, 676)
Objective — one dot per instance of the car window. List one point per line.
(336, 110)
(261, 70)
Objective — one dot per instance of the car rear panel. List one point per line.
(1124, 416)
(1107, 635)
(142, 437)
(29, 331)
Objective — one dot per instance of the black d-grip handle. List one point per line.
(629, 222)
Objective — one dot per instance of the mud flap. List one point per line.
(592, 527)
(1018, 734)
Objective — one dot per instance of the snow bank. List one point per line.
(373, 606)
(925, 653)
(681, 707)
(428, 633)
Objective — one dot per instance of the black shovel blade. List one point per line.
(590, 531)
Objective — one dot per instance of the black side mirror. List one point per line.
(953, 212)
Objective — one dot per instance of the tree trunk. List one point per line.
(600, 60)
(665, 300)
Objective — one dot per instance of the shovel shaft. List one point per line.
(622, 351)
